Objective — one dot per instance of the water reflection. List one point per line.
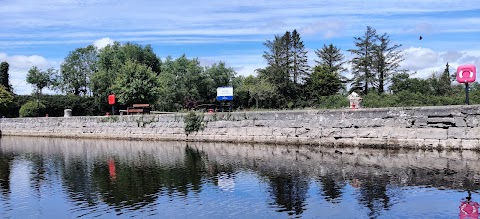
(100, 178)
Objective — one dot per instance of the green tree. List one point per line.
(331, 57)
(216, 75)
(110, 61)
(4, 76)
(6, 99)
(444, 82)
(181, 83)
(136, 83)
(259, 89)
(386, 60)
(362, 63)
(403, 82)
(287, 66)
(299, 57)
(40, 79)
(77, 69)
(323, 82)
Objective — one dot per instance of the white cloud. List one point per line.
(19, 66)
(426, 61)
(101, 43)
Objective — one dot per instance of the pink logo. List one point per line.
(466, 73)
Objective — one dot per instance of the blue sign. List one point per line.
(220, 98)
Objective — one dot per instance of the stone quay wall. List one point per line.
(441, 127)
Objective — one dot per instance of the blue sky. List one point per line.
(42, 33)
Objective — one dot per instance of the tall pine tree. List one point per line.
(363, 75)
(386, 61)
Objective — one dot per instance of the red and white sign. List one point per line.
(466, 73)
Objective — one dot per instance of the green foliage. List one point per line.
(6, 100)
(287, 67)
(80, 105)
(111, 61)
(362, 63)
(136, 83)
(4, 76)
(40, 79)
(193, 122)
(323, 82)
(32, 109)
(184, 84)
(77, 70)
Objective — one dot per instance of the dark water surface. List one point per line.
(67, 178)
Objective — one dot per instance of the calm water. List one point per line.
(63, 178)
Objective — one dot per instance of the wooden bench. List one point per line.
(139, 108)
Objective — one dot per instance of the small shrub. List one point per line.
(32, 109)
(193, 122)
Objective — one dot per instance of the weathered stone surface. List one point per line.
(470, 144)
(472, 120)
(401, 127)
(331, 132)
(473, 133)
(451, 143)
(431, 133)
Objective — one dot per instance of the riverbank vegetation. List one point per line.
(135, 74)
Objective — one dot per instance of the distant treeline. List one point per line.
(135, 74)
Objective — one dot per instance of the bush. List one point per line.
(193, 122)
(32, 109)
(333, 102)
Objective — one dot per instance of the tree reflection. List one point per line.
(373, 194)
(5, 170)
(139, 183)
(289, 192)
(331, 190)
(77, 179)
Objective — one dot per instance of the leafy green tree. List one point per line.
(77, 69)
(136, 83)
(6, 99)
(323, 82)
(4, 76)
(40, 79)
(362, 63)
(110, 61)
(181, 83)
(259, 89)
(403, 82)
(386, 60)
(216, 75)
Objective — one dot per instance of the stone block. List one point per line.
(457, 132)
(349, 133)
(367, 132)
(472, 120)
(470, 144)
(403, 133)
(431, 133)
(331, 132)
(373, 142)
(460, 122)
(473, 133)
